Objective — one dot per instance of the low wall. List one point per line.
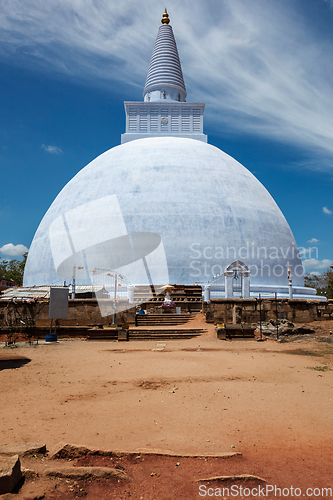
(81, 312)
(247, 310)
(85, 312)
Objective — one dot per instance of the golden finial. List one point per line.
(165, 19)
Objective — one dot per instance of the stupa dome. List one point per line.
(206, 207)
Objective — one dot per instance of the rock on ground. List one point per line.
(69, 451)
(86, 473)
(23, 450)
(10, 473)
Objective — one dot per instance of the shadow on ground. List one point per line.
(13, 362)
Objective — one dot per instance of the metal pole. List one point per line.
(260, 316)
(276, 313)
(73, 284)
(290, 289)
(114, 299)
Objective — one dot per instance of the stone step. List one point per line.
(158, 322)
(164, 334)
(163, 338)
(164, 317)
(167, 319)
(147, 334)
(158, 325)
(165, 330)
(171, 315)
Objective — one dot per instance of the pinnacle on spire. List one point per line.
(165, 19)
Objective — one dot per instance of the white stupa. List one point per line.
(166, 207)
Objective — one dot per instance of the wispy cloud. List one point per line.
(13, 250)
(262, 67)
(327, 211)
(313, 240)
(311, 265)
(51, 149)
(316, 162)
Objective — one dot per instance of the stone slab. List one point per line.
(22, 450)
(70, 451)
(10, 473)
(239, 477)
(86, 473)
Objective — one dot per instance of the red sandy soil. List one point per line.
(271, 401)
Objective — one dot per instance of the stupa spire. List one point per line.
(164, 112)
(165, 77)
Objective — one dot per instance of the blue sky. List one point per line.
(263, 68)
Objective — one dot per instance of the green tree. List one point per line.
(323, 283)
(13, 269)
(3, 269)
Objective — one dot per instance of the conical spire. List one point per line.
(165, 78)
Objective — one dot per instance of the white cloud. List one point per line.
(262, 67)
(308, 253)
(316, 265)
(313, 240)
(311, 252)
(327, 211)
(51, 149)
(13, 250)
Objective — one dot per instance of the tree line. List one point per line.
(323, 283)
(12, 270)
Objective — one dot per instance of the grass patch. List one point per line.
(304, 352)
(326, 340)
(320, 368)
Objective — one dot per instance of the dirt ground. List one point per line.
(271, 401)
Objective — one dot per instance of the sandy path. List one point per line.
(194, 396)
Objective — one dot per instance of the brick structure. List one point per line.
(247, 311)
